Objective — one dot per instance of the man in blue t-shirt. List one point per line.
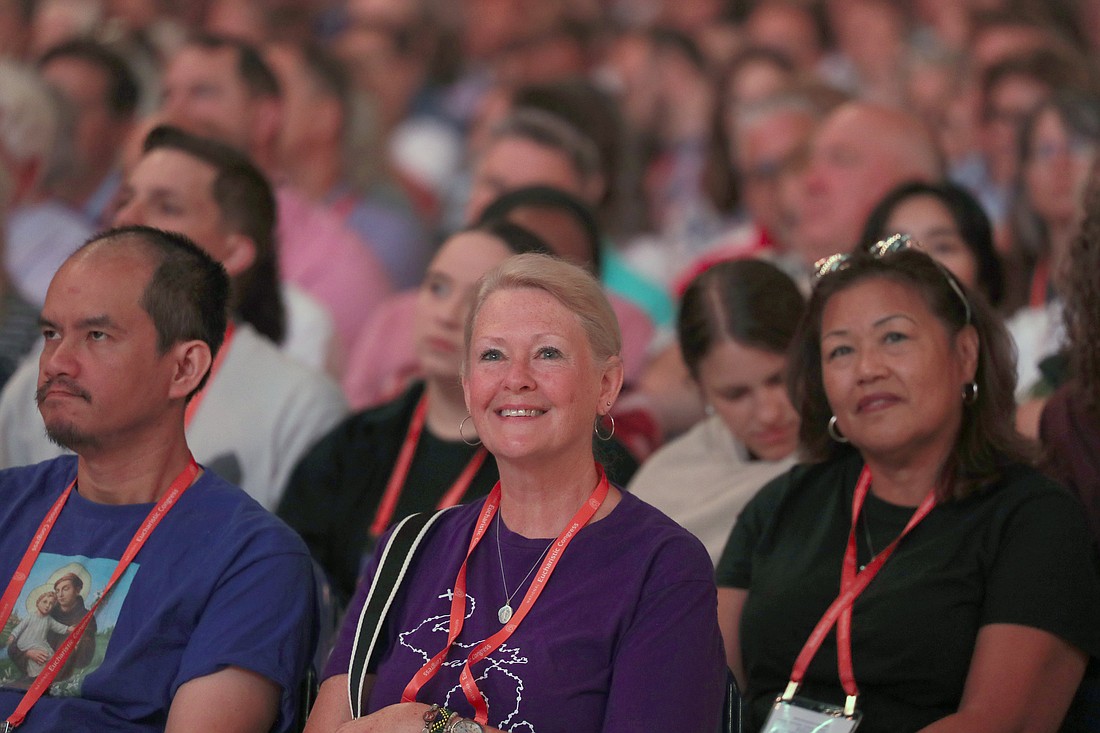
(201, 608)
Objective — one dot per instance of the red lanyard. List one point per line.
(852, 583)
(15, 586)
(458, 600)
(1040, 284)
(396, 483)
(193, 405)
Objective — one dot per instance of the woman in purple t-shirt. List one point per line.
(557, 603)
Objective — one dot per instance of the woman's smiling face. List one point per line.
(533, 385)
(892, 373)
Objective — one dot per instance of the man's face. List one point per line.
(168, 189)
(1005, 111)
(204, 93)
(301, 103)
(853, 164)
(98, 132)
(511, 162)
(766, 149)
(66, 594)
(101, 381)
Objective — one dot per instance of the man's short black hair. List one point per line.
(326, 71)
(257, 76)
(187, 297)
(123, 92)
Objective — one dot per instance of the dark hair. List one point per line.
(548, 198)
(665, 39)
(970, 219)
(987, 441)
(751, 302)
(247, 206)
(122, 92)
(1082, 299)
(327, 72)
(188, 294)
(518, 239)
(73, 579)
(1057, 69)
(257, 76)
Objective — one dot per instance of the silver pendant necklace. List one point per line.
(867, 536)
(504, 613)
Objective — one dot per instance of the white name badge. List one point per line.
(806, 716)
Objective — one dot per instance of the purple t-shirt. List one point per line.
(623, 638)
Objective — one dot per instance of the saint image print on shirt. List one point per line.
(58, 593)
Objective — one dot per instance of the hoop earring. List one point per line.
(463, 437)
(970, 393)
(597, 428)
(834, 432)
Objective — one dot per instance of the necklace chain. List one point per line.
(505, 612)
(867, 536)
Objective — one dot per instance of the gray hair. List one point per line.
(32, 120)
(29, 118)
(786, 101)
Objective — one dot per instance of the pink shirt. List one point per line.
(327, 260)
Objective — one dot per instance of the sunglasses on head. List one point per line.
(884, 248)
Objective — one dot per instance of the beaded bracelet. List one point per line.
(436, 718)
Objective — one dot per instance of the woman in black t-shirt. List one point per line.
(980, 613)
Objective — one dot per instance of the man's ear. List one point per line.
(241, 254)
(191, 361)
(267, 120)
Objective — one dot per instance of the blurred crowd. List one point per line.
(691, 132)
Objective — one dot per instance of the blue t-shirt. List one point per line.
(623, 638)
(220, 582)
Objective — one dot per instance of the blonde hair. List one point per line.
(572, 286)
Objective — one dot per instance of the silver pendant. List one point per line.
(504, 615)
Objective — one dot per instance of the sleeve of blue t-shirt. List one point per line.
(261, 617)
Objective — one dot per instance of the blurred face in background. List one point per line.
(1057, 170)
(445, 297)
(509, 163)
(1006, 108)
(930, 222)
(765, 149)
(747, 388)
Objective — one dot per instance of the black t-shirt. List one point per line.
(334, 491)
(1015, 553)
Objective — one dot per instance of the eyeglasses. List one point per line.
(884, 248)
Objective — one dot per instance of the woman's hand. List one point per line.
(404, 717)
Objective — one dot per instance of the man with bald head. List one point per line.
(859, 153)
